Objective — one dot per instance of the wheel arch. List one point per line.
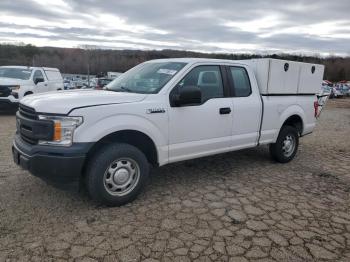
(133, 137)
(28, 93)
(293, 115)
(296, 121)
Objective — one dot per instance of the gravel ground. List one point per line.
(239, 206)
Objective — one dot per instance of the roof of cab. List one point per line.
(33, 68)
(197, 60)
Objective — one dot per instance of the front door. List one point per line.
(205, 128)
(40, 86)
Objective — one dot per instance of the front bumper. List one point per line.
(8, 102)
(56, 165)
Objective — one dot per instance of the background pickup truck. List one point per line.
(164, 111)
(19, 81)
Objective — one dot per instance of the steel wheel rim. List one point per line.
(121, 177)
(288, 145)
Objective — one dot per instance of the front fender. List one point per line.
(95, 131)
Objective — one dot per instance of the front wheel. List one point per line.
(117, 174)
(286, 146)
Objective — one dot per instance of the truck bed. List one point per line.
(277, 107)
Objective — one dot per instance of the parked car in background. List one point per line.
(19, 81)
(335, 93)
(102, 82)
(93, 82)
(325, 90)
(78, 84)
(68, 84)
(113, 74)
(345, 89)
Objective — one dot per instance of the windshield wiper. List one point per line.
(122, 88)
(125, 89)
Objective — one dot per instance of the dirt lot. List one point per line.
(239, 206)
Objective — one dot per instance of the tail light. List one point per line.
(316, 108)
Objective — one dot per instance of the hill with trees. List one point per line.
(82, 60)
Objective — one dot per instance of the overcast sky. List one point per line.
(252, 26)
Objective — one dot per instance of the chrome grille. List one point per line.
(27, 112)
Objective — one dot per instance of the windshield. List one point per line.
(17, 73)
(147, 78)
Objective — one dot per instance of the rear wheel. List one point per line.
(286, 146)
(117, 174)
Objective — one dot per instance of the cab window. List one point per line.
(207, 78)
(241, 83)
(38, 74)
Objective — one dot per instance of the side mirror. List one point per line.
(188, 95)
(38, 80)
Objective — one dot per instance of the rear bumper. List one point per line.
(56, 165)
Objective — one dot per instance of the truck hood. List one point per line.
(62, 102)
(13, 81)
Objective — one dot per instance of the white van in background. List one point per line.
(19, 81)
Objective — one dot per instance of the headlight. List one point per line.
(14, 87)
(64, 127)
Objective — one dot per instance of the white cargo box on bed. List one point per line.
(284, 77)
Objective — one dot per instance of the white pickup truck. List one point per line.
(19, 81)
(161, 112)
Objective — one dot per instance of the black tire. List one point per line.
(28, 93)
(96, 173)
(277, 152)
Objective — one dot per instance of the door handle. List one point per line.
(225, 110)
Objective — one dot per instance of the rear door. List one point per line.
(247, 107)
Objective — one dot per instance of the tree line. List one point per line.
(95, 61)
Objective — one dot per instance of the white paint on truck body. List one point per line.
(181, 133)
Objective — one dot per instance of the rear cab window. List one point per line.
(239, 81)
(53, 75)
